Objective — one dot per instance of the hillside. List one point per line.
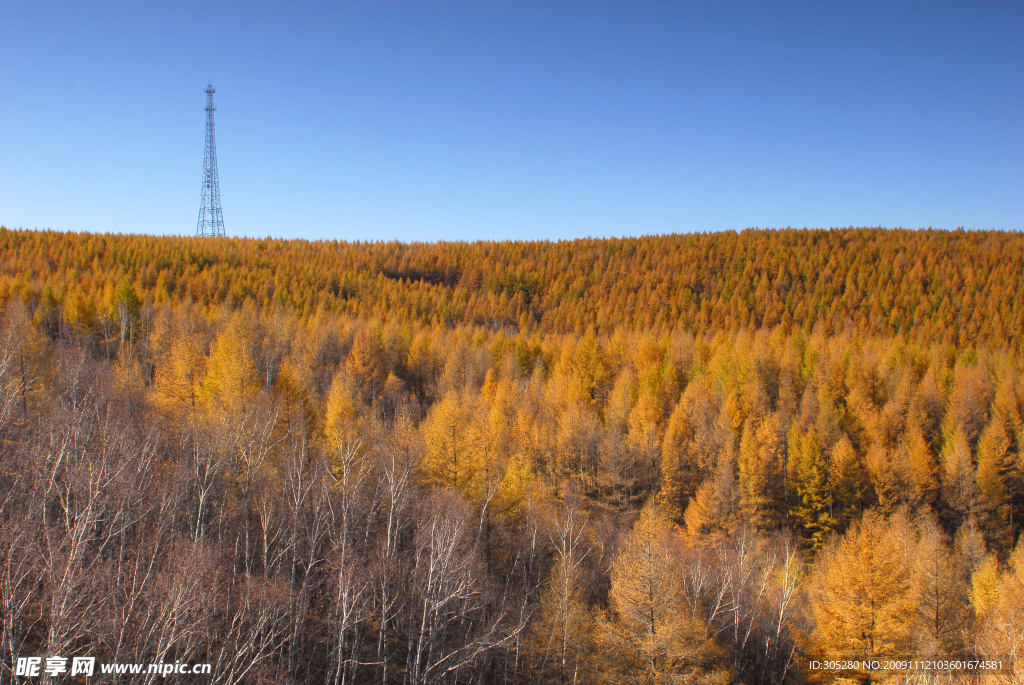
(959, 287)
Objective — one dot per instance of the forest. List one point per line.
(701, 458)
(953, 286)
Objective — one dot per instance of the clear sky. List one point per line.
(490, 119)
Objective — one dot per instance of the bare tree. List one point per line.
(349, 471)
(563, 622)
(307, 509)
(450, 628)
(252, 627)
(95, 469)
(394, 470)
(746, 587)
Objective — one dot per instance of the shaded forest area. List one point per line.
(340, 485)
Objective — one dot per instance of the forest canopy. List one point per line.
(954, 286)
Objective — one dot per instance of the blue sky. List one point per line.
(529, 120)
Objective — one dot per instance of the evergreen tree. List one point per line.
(813, 493)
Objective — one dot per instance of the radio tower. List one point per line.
(211, 219)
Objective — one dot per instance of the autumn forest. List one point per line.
(692, 458)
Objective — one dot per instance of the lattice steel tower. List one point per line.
(211, 219)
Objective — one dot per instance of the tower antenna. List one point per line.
(211, 218)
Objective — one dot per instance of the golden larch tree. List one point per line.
(862, 598)
(649, 634)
